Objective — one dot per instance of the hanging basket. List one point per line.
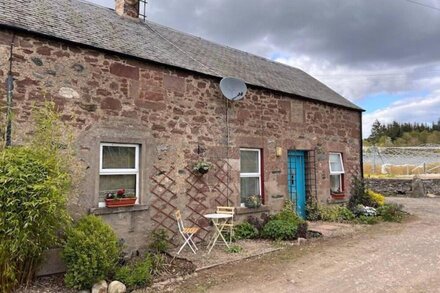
(202, 167)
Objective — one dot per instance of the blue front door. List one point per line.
(296, 181)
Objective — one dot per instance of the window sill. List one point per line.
(337, 195)
(337, 200)
(109, 211)
(245, 211)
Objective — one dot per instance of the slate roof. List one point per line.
(100, 27)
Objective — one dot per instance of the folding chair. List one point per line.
(187, 233)
(230, 224)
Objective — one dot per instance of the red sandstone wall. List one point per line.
(173, 114)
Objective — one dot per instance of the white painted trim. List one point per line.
(253, 175)
(132, 171)
(330, 166)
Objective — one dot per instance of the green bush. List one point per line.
(245, 231)
(360, 195)
(280, 230)
(91, 252)
(258, 222)
(312, 211)
(159, 243)
(287, 215)
(369, 220)
(158, 261)
(283, 225)
(391, 212)
(34, 183)
(136, 274)
(335, 213)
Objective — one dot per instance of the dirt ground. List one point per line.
(387, 257)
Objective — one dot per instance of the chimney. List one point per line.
(128, 8)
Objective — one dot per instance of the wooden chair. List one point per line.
(187, 233)
(230, 224)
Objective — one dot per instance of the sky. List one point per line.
(383, 55)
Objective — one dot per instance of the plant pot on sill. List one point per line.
(253, 202)
(120, 202)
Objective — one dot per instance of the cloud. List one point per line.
(420, 109)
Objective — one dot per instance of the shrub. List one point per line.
(91, 252)
(34, 183)
(258, 223)
(159, 243)
(280, 230)
(245, 231)
(391, 212)
(287, 215)
(377, 198)
(359, 195)
(284, 225)
(335, 214)
(369, 220)
(136, 274)
(313, 213)
(361, 210)
(158, 262)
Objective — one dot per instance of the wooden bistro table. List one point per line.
(219, 221)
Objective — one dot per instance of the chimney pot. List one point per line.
(127, 8)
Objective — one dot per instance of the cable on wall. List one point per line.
(9, 89)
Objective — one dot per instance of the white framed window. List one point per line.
(118, 168)
(250, 173)
(336, 166)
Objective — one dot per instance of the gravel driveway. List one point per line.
(387, 257)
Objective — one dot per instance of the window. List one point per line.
(119, 168)
(336, 172)
(250, 173)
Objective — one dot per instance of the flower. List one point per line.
(120, 193)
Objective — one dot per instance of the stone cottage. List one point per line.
(144, 103)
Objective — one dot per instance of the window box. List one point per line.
(120, 202)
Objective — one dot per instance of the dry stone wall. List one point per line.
(402, 187)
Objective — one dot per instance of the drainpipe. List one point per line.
(361, 147)
(9, 89)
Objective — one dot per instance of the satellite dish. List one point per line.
(233, 89)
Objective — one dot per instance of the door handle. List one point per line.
(292, 179)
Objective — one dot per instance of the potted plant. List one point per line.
(337, 194)
(119, 199)
(201, 167)
(253, 201)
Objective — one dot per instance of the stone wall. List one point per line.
(402, 187)
(177, 117)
